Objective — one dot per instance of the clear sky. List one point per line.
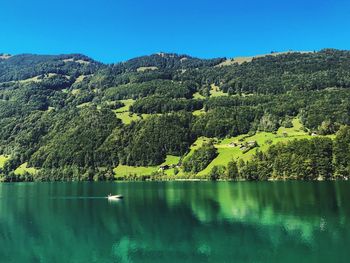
(116, 30)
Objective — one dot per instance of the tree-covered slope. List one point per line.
(68, 117)
(21, 67)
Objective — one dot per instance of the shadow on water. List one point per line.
(175, 222)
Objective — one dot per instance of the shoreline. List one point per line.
(149, 178)
(182, 180)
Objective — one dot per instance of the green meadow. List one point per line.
(122, 170)
(216, 92)
(23, 168)
(3, 160)
(124, 113)
(228, 150)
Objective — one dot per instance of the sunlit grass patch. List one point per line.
(127, 103)
(198, 112)
(216, 92)
(127, 117)
(171, 160)
(3, 160)
(23, 168)
(198, 96)
(123, 170)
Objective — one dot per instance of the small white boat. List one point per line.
(114, 197)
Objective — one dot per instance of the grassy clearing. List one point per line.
(126, 115)
(198, 96)
(80, 78)
(35, 79)
(126, 107)
(38, 78)
(3, 160)
(216, 92)
(80, 61)
(198, 112)
(227, 62)
(122, 170)
(145, 116)
(142, 69)
(238, 60)
(241, 60)
(296, 130)
(171, 160)
(225, 155)
(24, 168)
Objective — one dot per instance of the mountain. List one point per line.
(20, 67)
(69, 117)
(169, 61)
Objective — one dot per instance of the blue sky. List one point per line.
(116, 30)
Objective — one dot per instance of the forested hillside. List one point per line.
(168, 116)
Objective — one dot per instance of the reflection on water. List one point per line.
(175, 222)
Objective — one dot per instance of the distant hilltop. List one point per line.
(4, 56)
(182, 57)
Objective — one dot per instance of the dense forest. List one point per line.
(68, 117)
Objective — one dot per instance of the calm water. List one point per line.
(175, 222)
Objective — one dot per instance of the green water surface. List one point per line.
(175, 222)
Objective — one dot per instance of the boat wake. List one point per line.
(77, 197)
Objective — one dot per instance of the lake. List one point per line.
(175, 222)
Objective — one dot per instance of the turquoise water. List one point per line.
(175, 222)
